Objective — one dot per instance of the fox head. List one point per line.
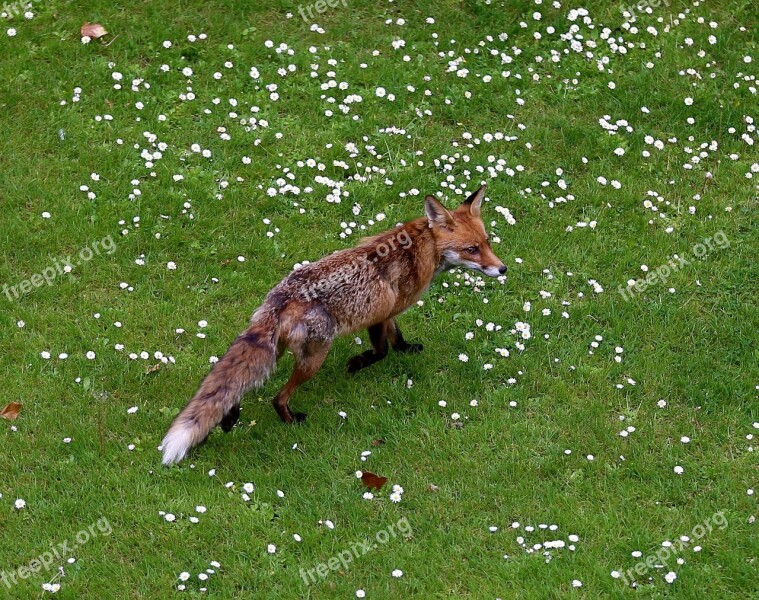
(460, 235)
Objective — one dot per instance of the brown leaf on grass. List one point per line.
(93, 30)
(378, 442)
(152, 369)
(373, 481)
(11, 411)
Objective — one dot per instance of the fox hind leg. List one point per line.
(308, 360)
(398, 343)
(231, 418)
(378, 338)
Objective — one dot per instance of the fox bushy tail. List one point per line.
(246, 364)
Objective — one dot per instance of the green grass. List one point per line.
(504, 460)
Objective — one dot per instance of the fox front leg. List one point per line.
(398, 343)
(378, 337)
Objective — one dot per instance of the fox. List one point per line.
(364, 287)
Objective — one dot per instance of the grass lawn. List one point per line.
(562, 429)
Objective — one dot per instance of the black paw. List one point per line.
(230, 419)
(299, 417)
(356, 363)
(411, 348)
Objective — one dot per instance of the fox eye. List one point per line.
(471, 249)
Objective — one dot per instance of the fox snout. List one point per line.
(495, 271)
(489, 263)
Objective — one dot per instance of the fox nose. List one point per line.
(502, 269)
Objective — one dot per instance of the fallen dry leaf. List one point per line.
(93, 30)
(373, 481)
(11, 411)
(378, 442)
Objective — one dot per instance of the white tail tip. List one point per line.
(176, 444)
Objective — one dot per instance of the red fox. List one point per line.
(362, 287)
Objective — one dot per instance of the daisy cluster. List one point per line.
(201, 579)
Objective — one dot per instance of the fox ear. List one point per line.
(474, 202)
(437, 214)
